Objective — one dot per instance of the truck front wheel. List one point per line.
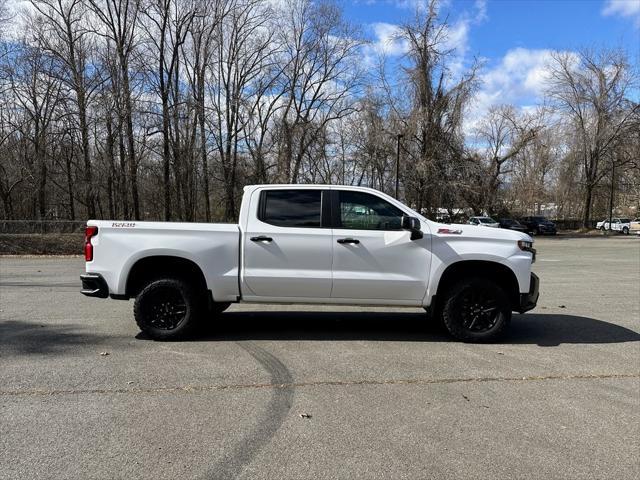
(168, 308)
(476, 310)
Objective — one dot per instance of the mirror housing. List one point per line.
(413, 225)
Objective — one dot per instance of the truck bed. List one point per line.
(213, 246)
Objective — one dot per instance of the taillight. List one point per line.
(88, 248)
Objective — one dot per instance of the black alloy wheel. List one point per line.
(479, 310)
(168, 308)
(165, 308)
(476, 310)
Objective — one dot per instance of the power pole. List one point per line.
(398, 165)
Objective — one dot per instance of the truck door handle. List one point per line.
(261, 238)
(348, 240)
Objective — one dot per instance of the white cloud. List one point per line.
(387, 41)
(411, 4)
(623, 8)
(519, 78)
(458, 36)
(481, 11)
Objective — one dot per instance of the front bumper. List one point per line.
(529, 300)
(94, 285)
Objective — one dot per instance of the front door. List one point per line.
(288, 245)
(373, 258)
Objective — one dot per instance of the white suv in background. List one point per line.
(622, 225)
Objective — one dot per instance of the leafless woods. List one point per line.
(165, 109)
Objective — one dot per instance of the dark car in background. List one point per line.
(539, 225)
(511, 224)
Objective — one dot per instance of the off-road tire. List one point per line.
(169, 308)
(459, 306)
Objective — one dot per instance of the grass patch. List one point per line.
(41, 243)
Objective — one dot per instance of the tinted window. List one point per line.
(362, 211)
(292, 208)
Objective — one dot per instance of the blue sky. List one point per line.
(514, 38)
(534, 24)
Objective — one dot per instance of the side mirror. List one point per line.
(413, 225)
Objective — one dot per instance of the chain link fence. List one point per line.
(42, 226)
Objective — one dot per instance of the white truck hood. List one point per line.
(476, 231)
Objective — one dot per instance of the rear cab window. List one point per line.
(300, 208)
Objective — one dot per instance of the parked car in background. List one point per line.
(484, 222)
(634, 226)
(539, 225)
(511, 224)
(622, 225)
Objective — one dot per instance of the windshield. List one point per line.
(486, 220)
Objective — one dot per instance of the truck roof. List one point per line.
(251, 188)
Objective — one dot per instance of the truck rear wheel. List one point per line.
(476, 310)
(168, 308)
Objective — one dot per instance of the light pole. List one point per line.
(613, 173)
(398, 165)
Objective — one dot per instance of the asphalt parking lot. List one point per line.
(82, 395)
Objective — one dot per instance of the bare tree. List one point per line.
(433, 125)
(37, 92)
(592, 91)
(319, 81)
(66, 37)
(167, 26)
(245, 47)
(505, 134)
(164, 109)
(118, 21)
(203, 34)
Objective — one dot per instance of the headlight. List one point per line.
(525, 245)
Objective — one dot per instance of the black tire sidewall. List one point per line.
(451, 307)
(193, 303)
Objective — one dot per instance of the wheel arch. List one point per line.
(147, 268)
(498, 272)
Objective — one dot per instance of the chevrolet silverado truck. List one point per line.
(312, 244)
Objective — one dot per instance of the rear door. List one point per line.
(288, 245)
(373, 257)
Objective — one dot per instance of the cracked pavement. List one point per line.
(83, 395)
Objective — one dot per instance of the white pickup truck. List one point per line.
(313, 244)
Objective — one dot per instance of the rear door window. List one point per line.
(291, 208)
